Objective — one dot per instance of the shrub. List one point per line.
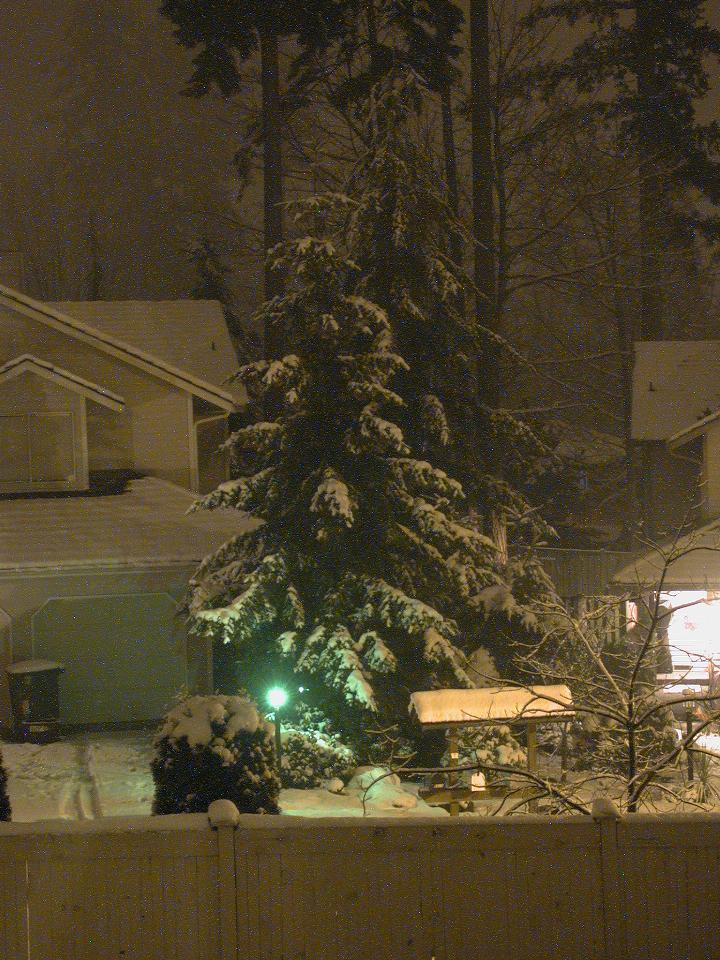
(309, 758)
(5, 811)
(214, 748)
(491, 745)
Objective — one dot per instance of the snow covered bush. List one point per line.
(5, 812)
(214, 748)
(309, 759)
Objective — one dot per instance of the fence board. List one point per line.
(13, 913)
(460, 889)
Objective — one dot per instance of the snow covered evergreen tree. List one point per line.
(403, 235)
(364, 577)
(361, 549)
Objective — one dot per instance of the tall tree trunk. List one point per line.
(482, 169)
(650, 198)
(272, 170)
(448, 139)
(649, 208)
(451, 174)
(372, 39)
(488, 372)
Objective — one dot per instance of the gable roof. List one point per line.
(147, 525)
(189, 335)
(676, 383)
(27, 363)
(133, 355)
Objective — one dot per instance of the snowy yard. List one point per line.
(108, 775)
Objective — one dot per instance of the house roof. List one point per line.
(26, 363)
(189, 335)
(148, 524)
(675, 384)
(694, 430)
(692, 562)
(121, 348)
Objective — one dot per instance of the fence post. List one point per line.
(224, 817)
(607, 815)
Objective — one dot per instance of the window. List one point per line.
(37, 448)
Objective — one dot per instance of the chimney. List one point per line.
(12, 273)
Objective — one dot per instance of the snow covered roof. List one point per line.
(132, 353)
(443, 707)
(694, 563)
(26, 363)
(676, 383)
(145, 525)
(190, 335)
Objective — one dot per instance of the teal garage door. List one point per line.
(124, 656)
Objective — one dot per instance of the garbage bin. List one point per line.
(35, 700)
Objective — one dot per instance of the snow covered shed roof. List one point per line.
(26, 363)
(512, 704)
(675, 384)
(146, 525)
(190, 335)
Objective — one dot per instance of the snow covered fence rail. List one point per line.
(277, 888)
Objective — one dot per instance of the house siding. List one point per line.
(583, 573)
(711, 471)
(25, 595)
(30, 394)
(151, 435)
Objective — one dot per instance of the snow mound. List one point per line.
(384, 793)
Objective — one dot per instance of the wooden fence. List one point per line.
(280, 888)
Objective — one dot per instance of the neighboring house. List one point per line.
(676, 419)
(111, 419)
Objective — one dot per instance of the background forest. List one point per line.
(147, 145)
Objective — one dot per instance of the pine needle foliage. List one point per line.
(403, 234)
(364, 576)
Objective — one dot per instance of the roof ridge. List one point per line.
(87, 330)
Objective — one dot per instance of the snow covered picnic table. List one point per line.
(509, 704)
(97, 775)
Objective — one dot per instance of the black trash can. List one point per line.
(35, 700)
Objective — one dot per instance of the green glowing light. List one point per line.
(277, 697)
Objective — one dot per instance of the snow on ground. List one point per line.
(710, 742)
(108, 775)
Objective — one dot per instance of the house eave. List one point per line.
(116, 348)
(26, 363)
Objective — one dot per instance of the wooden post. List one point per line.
(688, 732)
(452, 776)
(532, 757)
